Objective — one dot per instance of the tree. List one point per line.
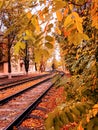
(12, 19)
(17, 21)
(76, 32)
(33, 35)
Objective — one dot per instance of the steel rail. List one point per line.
(19, 82)
(3, 101)
(26, 78)
(31, 107)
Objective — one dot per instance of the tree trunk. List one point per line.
(42, 65)
(9, 59)
(35, 66)
(26, 59)
(26, 63)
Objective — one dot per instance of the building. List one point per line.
(17, 66)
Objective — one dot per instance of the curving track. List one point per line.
(16, 109)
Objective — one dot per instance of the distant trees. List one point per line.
(11, 16)
(76, 30)
(21, 25)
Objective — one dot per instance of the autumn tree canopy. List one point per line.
(74, 25)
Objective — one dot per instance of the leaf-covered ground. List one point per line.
(49, 103)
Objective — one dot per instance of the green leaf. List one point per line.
(64, 118)
(75, 111)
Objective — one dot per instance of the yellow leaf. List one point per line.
(84, 36)
(49, 45)
(95, 110)
(94, 8)
(68, 21)
(76, 17)
(77, 56)
(46, 27)
(59, 15)
(76, 37)
(80, 127)
(93, 63)
(95, 21)
(59, 4)
(49, 38)
(29, 15)
(29, 32)
(58, 30)
(1, 4)
(36, 23)
(72, 37)
(19, 45)
(87, 118)
(50, 26)
(52, 42)
(66, 11)
(73, 20)
(45, 10)
(66, 33)
(78, 21)
(41, 16)
(71, 7)
(79, 27)
(38, 27)
(26, 38)
(72, 27)
(94, 14)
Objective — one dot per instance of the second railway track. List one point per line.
(14, 82)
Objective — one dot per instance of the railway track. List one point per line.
(15, 110)
(8, 93)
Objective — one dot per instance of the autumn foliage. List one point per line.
(75, 28)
